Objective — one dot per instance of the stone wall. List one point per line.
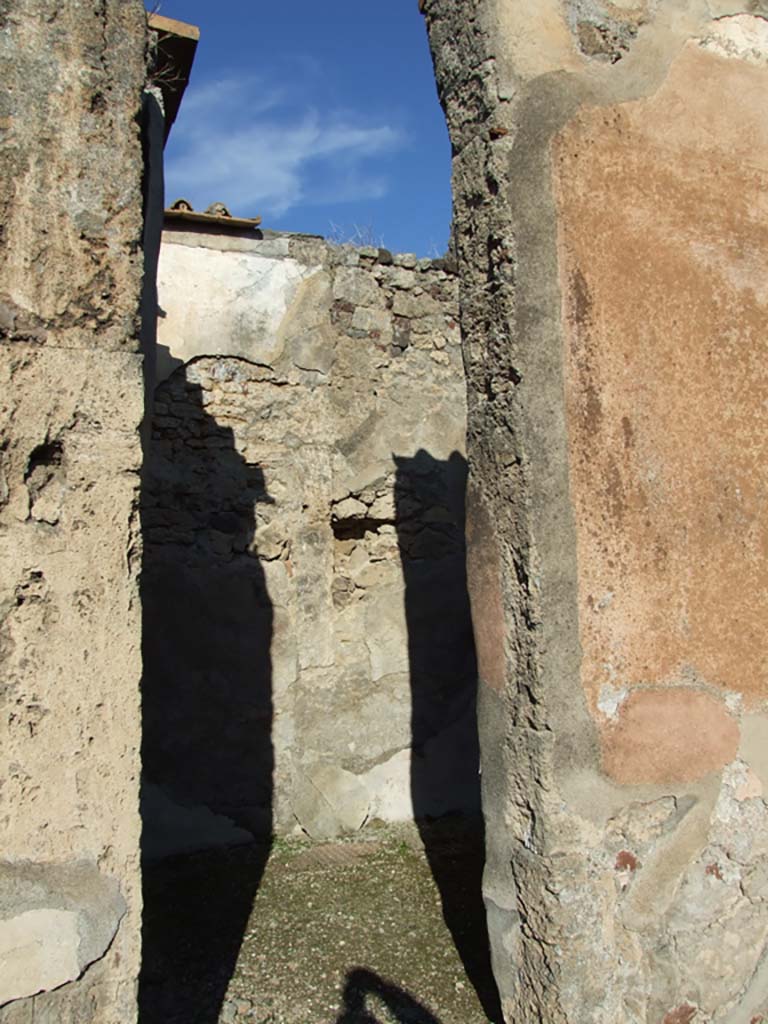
(609, 175)
(307, 642)
(70, 456)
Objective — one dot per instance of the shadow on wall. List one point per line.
(445, 758)
(207, 707)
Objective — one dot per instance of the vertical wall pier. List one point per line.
(610, 228)
(70, 460)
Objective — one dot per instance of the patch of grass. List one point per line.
(287, 846)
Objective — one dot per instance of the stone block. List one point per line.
(329, 801)
(372, 321)
(357, 287)
(38, 952)
(414, 306)
(55, 920)
(349, 508)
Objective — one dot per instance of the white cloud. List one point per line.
(224, 95)
(261, 152)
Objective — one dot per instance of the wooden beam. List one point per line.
(177, 28)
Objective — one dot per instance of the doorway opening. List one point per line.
(313, 843)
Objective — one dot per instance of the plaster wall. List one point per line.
(70, 455)
(609, 175)
(308, 651)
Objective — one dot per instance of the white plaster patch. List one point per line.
(739, 796)
(610, 700)
(734, 702)
(385, 630)
(739, 37)
(749, 787)
(223, 303)
(754, 746)
(389, 786)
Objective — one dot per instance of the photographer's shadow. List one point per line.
(362, 985)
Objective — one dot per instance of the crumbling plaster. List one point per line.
(70, 457)
(625, 814)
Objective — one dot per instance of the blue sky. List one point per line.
(317, 116)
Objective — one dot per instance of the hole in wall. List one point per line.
(356, 529)
(43, 458)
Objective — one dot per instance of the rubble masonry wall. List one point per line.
(308, 648)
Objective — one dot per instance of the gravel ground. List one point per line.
(338, 933)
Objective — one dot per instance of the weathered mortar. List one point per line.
(609, 231)
(308, 649)
(70, 277)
